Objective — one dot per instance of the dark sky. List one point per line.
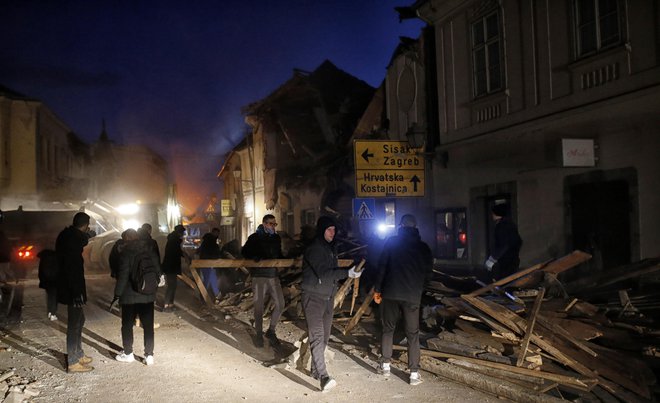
(174, 74)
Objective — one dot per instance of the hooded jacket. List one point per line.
(320, 271)
(123, 288)
(173, 253)
(507, 243)
(209, 248)
(262, 245)
(405, 265)
(70, 265)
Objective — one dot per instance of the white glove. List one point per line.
(354, 274)
(490, 263)
(161, 282)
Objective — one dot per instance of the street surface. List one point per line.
(201, 355)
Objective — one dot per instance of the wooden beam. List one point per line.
(584, 384)
(236, 263)
(356, 318)
(519, 325)
(550, 266)
(343, 290)
(566, 335)
(496, 386)
(508, 279)
(531, 321)
(201, 287)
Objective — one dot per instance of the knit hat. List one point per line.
(500, 210)
(408, 220)
(324, 223)
(180, 229)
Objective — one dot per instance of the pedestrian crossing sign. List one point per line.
(364, 209)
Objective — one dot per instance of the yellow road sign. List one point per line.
(372, 154)
(384, 183)
(388, 169)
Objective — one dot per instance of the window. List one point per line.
(486, 54)
(596, 25)
(308, 217)
(451, 239)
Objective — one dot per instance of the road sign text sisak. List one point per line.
(388, 169)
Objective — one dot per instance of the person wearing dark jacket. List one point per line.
(265, 244)
(404, 266)
(48, 280)
(209, 249)
(71, 289)
(134, 304)
(115, 254)
(172, 264)
(144, 232)
(504, 259)
(319, 285)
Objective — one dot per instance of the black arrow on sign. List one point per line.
(415, 180)
(366, 154)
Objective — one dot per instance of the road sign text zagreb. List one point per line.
(388, 169)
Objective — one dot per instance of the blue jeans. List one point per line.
(210, 279)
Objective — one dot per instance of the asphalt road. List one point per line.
(201, 354)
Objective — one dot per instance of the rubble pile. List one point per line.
(15, 389)
(532, 345)
(594, 338)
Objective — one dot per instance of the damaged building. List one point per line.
(297, 158)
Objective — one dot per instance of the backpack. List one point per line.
(144, 275)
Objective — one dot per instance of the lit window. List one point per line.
(451, 238)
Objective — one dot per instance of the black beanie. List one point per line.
(501, 210)
(324, 223)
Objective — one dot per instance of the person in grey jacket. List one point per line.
(134, 304)
(319, 285)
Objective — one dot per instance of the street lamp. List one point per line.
(417, 138)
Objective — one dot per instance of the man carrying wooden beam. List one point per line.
(265, 244)
(405, 265)
(321, 272)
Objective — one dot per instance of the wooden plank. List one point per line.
(531, 321)
(508, 279)
(550, 266)
(566, 335)
(187, 280)
(356, 289)
(518, 325)
(579, 383)
(236, 263)
(343, 290)
(497, 372)
(486, 383)
(497, 312)
(356, 318)
(453, 348)
(201, 288)
(493, 324)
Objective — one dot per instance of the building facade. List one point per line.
(553, 108)
(42, 162)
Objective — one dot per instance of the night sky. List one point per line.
(174, 74)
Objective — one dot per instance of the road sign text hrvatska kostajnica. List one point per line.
(386, 168)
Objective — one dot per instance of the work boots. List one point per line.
(78, 367)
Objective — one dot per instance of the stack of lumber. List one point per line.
(541, 348)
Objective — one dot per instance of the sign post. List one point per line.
(388, 169)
